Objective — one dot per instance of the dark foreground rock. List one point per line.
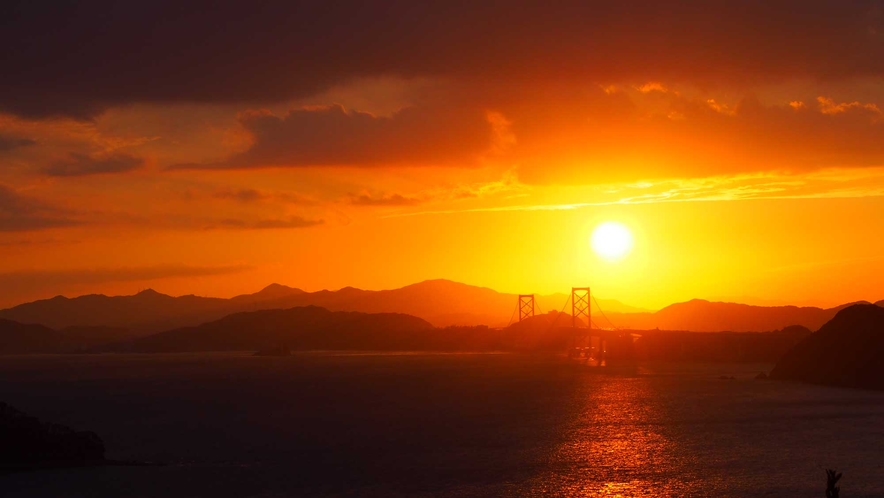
(847, 351)
(28, 443)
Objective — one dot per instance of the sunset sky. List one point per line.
(216, 149)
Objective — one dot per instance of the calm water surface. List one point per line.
(326, 424)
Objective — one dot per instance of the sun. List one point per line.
(611, 240)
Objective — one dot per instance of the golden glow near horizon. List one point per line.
(611, 240)
(489, 160)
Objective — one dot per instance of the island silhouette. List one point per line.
(29, 443)
(847, 352)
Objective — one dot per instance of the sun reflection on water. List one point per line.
(615, 446)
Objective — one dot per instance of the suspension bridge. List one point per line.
(587, 339)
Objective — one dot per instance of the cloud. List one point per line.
(248, 195)
(836, 183)
(242, 195)
(334, 136)
(210, 220)
(19, 213)
(599, 92)
(829, 106)
(110, 53)
(652, 86)
(82, 165)
(8, 143)
(261, 223)
(384, 200)
(632, 135)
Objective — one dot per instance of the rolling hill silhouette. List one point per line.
(713, 347)
(704, 316)
(303, 328)
(847, 351)
(549, 331)
(546, 321)
(145, 312)
(18, 338)
(276, 332)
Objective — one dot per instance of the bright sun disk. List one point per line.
(611, 240)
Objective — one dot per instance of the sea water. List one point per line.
(343, 424)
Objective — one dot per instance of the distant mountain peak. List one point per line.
(275, 288)
(697, 300)
(149, 292)
(349, 288)
(441, 283)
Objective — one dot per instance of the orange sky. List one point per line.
(748, 160)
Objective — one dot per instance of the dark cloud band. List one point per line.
(78, 58)
(20, 213)
(84, 165)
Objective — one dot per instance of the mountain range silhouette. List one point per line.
(440, 302)
(285, 318)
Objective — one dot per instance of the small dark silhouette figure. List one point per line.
(832, 478)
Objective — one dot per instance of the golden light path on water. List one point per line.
(615, 446)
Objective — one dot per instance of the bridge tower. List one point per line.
(580, 306)
(526, 306)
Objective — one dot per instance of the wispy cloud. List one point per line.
(83, 165)
(8, 143)
(249, 195)
(262, 223)
(828, 184)
(389, 200)
(242, 194)
(19, 213)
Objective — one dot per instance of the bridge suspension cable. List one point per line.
(603, 313)
(513, 315)
(591, 323)
(556, 318)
